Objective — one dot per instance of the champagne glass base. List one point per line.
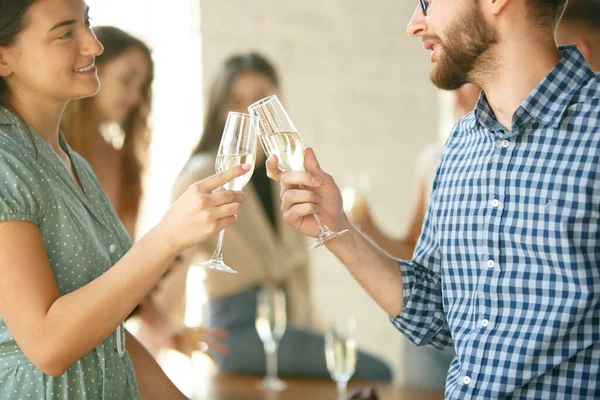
(272, 384)
(216, 265)
(326, 237)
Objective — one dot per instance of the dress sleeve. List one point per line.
(21, 194)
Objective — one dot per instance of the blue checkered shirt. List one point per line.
(507, 267)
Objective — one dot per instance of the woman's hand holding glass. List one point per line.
(199, 213)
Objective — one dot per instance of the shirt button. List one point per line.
(505, 143)
(467, 380)
(112, 248)
(491, 264)
(533, 121)
(485, 323)
(495, 203)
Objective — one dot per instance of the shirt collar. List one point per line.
(7, 118)
(548, 101)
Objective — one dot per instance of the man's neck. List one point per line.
(518, 72)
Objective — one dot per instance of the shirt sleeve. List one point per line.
(21, 196)
(422, 318)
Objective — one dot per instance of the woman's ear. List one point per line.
(5, 69)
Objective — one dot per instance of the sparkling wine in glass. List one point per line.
(279, 136)
(238, 146)
(271, 321)
(340, 351)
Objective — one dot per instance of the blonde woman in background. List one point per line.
(263, 249)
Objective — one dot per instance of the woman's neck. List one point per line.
(43, 116)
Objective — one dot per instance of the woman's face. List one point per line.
(248, 88)
(54, 56)
(123, 80)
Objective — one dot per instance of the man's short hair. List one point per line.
(547, 12)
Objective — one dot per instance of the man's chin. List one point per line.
(445, 81)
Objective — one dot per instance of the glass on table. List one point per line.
(340, 351)
(271, 322)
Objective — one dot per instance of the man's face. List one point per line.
(460, 45)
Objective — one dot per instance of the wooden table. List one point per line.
(235, 387)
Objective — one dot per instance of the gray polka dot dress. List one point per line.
(83, 238)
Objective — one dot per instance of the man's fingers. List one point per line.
(273, 170)
(298, 212)
(300, 178)
(293, 197)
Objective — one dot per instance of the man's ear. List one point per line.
(495, 7)
(585, 47)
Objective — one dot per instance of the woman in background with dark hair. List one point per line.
(263, 249)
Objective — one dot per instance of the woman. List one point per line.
(70, 274)
(111, 130)
(261, 247)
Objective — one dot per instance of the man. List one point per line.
(507, 264)
(580, 25)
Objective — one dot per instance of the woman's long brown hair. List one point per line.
(77, 130)
(220, 92)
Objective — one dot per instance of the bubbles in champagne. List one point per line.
(288, 148)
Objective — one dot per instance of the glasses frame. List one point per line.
(424, 6)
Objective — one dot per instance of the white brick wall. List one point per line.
(358, 91)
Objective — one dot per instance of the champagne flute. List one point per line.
(238, 146)
(279, 136)
(340, 351)
(271, 320)
(354, 194)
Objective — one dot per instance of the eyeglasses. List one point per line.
(424, 5)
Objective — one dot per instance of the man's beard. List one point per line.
(465, 51)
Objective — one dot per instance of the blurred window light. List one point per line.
(172, 30)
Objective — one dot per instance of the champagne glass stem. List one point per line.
(341, 389)
(271, 352)
(218, 254)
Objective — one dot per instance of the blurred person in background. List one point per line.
(580, 25)
(263, 249)
(423, 366)
(111, 130)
